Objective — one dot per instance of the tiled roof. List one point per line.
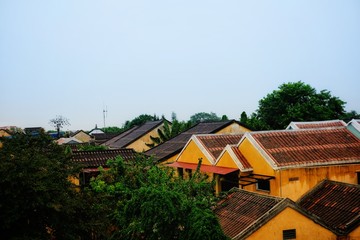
(307, 147)
(124, 139)
(245, 165)
(241, 209)
(99, 158)
(335, 204)
(316, 124)
(215, 143)
(174, 145)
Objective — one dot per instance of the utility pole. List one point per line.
(104, 115)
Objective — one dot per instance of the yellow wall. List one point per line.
(140, 144)
(226, 161)
(191, 154)
(3, 133)
(293, 183)
(355, 234)
(255, 159)
(233, 128)
(82, 137)
(290, 219)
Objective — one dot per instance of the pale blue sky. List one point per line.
(73, 57)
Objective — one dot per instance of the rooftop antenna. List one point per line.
(105, 115)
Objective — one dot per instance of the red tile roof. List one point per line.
(335, 204)
(308, 147)
(173, 146)
(215, 143)
(99, 158)
(245, 164)
(316, 124)
(241, 209)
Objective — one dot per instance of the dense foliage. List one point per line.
(37, 200)
(147, 201)
(295, 102)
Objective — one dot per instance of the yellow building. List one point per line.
(330, 211)
(82, 136)
(4, 133)
(137, 137)
(289, 163)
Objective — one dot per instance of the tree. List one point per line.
(203, 116)
(59, 122)
(37, 200)
(296, 102)
(112, 129)
(168, 131)
(139, 120)
(147, 201)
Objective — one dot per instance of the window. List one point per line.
(189, 173)
(263, 185)
(289, 234)
(181, 172)
(358, 177)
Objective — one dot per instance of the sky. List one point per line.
(75, 58)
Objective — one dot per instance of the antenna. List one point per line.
(105, 115)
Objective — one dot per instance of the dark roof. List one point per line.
(99, 158)
(174, 145)
(336, 204)
(102, 137)
(243, 161)
(122, 140)
(310, 147)
(241, 209)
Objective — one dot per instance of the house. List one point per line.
(354, 127)
(337, 205)
(92, 160)
(208, 147)
(136, 137)
(288, 163)
(249, 215)
(168, 151)
(33, 130)
(82, 136)
(316, 124)
(70, 140)
(4, 133)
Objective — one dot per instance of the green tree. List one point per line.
(37, 200)
(203, 116)
(112, 129)
(296, 102)
(147, 201)
(168, 131)
(139, 120)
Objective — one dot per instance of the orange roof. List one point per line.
(215, 143)
(316, 124)
(307, 147)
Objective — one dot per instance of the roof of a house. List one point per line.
(242, 210)
(124, 139)
(316, 124)
(99, 158)
(355, 123)
(311, 147)
(70, 140)
(214, 144)
(335, 204)
(79, 131)
(174, 145)
(238, 158)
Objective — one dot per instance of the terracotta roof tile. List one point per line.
(241, 209)
(99, 158)
(245, 164)
(215, 143)
(336, 204)
(174, 145)
(309, 147)
(316, 124)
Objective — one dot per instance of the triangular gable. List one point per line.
(232, 157)
(192, 151)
